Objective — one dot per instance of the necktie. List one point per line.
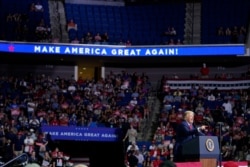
(190, 127)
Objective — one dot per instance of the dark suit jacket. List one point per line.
(184, 134)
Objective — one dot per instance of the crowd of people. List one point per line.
(30, 26)
(221, 113)
(225, 113)
(119, 100)
(233, 35)
(28, 104)
(27, 25)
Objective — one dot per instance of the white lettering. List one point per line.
(67, 50)
(44, 50)
(91, 134)
(156, 52)
(171, 51)
(105, 135)
(120, 51)
(54, 133)
(113, 51)
(87, 50)
(47, 49)
(81, 50)
(161, 52)
(148, 52)
(70, 134)
(74, 50)
(125, 52)
(104, 52)
(37, 49)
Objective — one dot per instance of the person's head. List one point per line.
(189, 116)
(167, 163)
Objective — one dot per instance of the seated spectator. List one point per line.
(34, 122)
(46, 159)
(39, 7)
(105, 38)
(220, 31)
(228, 32)
(75, 41)
(241, 37)
(171, 42)
(157, 161)
(140, 158)
(128, 43)
(29, 144)
(9, 18)
(234, 34)
(168, 31)
(179, 42)
(40, 32)
(211, 97)
(121, 42)
(147, 162)
(172, 31)
(132, 159)
(71, 25)
(32, 7)
(199, 108)
(132, 147)
(159, 135)
(88, 38)
(98, 38)
(33, 158)
(58, 160)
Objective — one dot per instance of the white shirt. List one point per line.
(130, 146)
(140, 158)
(228, 107)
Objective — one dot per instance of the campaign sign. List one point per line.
(82, 133)
(122, 51)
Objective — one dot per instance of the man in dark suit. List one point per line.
(186, 131)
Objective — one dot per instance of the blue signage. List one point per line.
(82, 133)
(118, 50)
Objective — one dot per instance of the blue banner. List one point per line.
(82, 133)
(118, 50)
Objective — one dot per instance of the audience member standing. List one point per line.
(204, 71)
(131, 135)
(18, 144)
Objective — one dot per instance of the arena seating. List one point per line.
(141, 25)
(225, 13)
(30, 19)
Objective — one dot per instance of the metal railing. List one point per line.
(23, 161)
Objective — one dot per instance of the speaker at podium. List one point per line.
(204, 149)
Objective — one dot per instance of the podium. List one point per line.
(202, 148)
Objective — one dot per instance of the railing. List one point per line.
(23, 161)
(209, 84)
